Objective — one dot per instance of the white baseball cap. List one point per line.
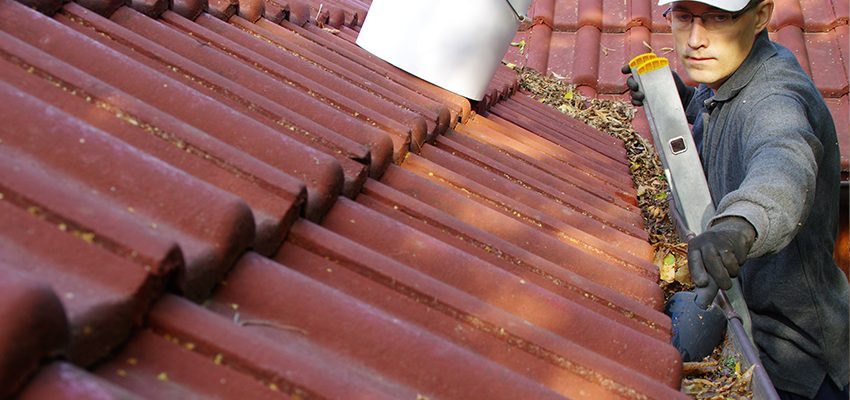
(726, 5)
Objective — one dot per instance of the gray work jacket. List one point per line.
(771, 156)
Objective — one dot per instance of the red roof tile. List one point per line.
(65, 381)
(513, 258)
(464, 320)
(275, 198)
(391, 342)
(549, 186)
(508, 243)
(35, 328)
(478, 278)
(613, 272)
(144, 202)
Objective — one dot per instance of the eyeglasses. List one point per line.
(711, 21)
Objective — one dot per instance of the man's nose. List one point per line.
(698, 34)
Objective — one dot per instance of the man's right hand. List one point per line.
(634, 88)
(638, 96)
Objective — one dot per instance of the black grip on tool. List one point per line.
(705, 295)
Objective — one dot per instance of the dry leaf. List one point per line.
(668, 268)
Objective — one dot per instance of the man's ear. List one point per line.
(763, 13)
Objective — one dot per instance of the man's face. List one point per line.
(712, 55)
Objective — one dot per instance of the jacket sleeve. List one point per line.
(781, 155)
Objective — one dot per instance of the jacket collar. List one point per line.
(762, 49)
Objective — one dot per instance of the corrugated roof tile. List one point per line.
(383, 307)
(786, 13)
(273, 12)
(34, 328)
(188, 8)
(590, 14)
(151, 8)
(234, 348)
(338, 90)
(614, 273)
(65, 381)
(564, 16)
(615, 16)
(275, 198)
(517, 200)
(513, 258)
(524, 111)
(525, 301)
(365, 63)
(483, 329)
(548, 186)
(510, 139)
(817, 17)
(170, 96)
(561, 54)
(842, 35)
(251, 10)
(296, 48)
(474, 176)
(134, 188)
(825, 61)
(842, 11)
(586, 64)
(538, 47)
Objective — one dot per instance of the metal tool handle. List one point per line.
(521, 17)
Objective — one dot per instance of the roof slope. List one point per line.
(228, 200)
(587, 42)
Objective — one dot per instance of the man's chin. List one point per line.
(701, 76)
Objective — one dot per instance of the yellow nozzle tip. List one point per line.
(652, 65)
(640, 59)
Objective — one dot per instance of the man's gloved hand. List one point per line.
(638, 96)
(716, 255)
(696, 331)
(634, 88)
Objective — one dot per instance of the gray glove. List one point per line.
(716, 255)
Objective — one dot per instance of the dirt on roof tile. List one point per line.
(116, 177)
(276, 199)
(520, 298)
(513, 258)
(483, 330)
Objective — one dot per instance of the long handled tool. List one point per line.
(692, 204)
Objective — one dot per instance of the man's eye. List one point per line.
(719, 18)
(682, 16)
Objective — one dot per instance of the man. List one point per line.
(770, 154)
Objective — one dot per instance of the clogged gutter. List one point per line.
(719, 375)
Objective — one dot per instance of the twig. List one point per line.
(698, 367)
(271, 324)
